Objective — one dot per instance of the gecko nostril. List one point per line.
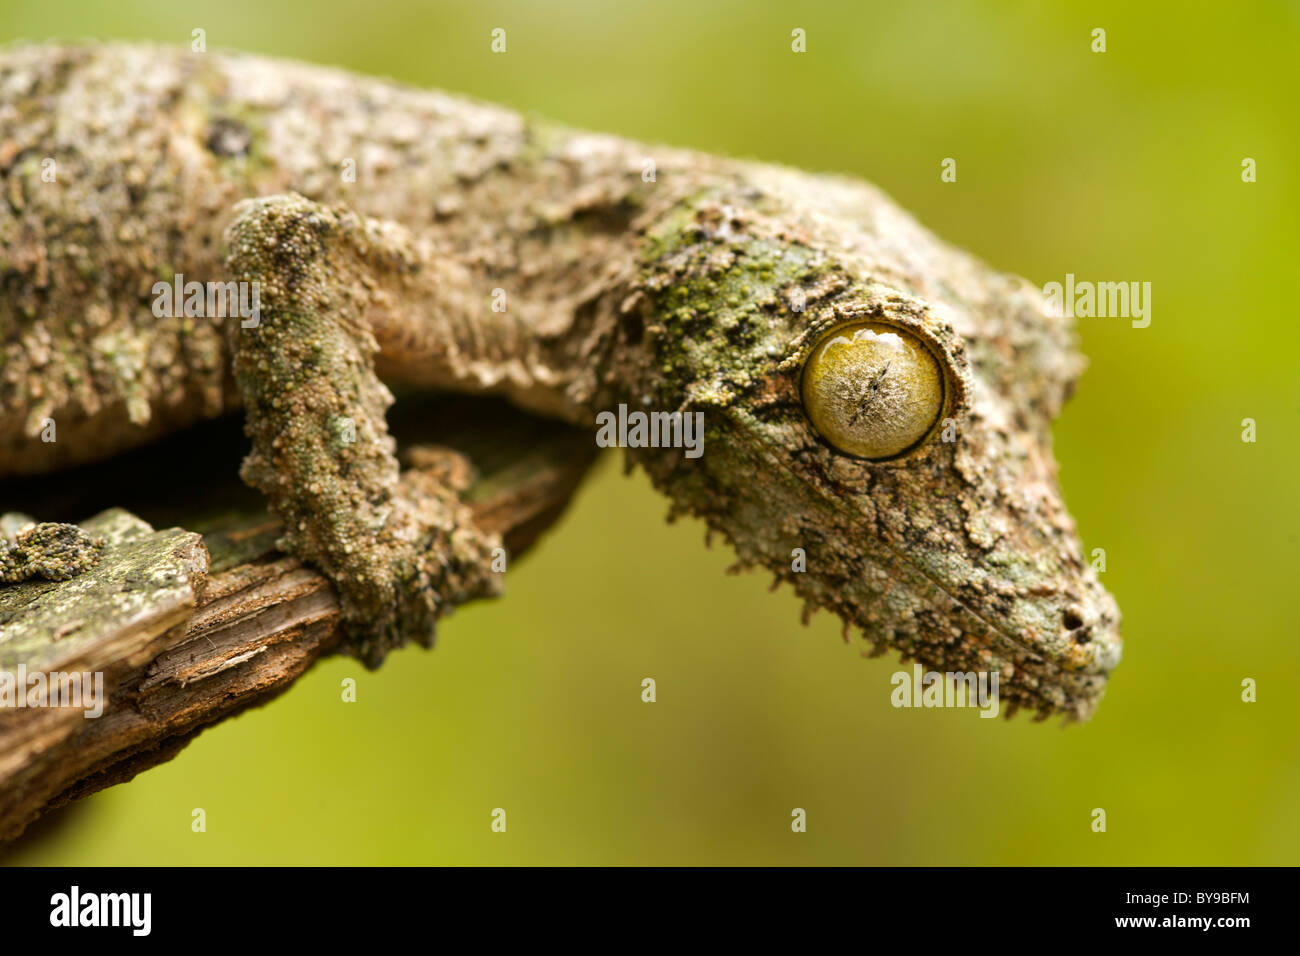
(633, 328)
(1072, 619)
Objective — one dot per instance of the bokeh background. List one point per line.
(1117, 166)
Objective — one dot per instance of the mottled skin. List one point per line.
(47, 550)
(700, 288)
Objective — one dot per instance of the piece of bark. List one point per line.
(190, 629)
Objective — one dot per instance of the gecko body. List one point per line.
(872, 399)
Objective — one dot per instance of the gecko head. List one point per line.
(890, 457)
(937, 473)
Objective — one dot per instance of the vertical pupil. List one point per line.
(872, 390)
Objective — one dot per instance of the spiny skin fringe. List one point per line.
(880, 648)
(692, 309)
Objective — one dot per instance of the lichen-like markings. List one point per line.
(870, 395)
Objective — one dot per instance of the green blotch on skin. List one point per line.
(717, 302)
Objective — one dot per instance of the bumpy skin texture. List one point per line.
(400, 551)
(47, 550)
(701, 288)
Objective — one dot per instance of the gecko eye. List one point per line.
(872, 390)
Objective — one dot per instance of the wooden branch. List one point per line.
(189, 629)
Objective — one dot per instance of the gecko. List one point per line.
(876, 405)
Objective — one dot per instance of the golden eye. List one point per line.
(872, 390)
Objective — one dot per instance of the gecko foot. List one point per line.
(444, 562)
(48, 550)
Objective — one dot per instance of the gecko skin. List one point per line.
(869, 395)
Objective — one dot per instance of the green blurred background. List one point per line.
(1117, 166)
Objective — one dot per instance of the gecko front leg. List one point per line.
(336, 289)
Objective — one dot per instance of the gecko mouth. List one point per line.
(961, 640)
(1051, 669)
(1024, 605)
(1077, 624)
